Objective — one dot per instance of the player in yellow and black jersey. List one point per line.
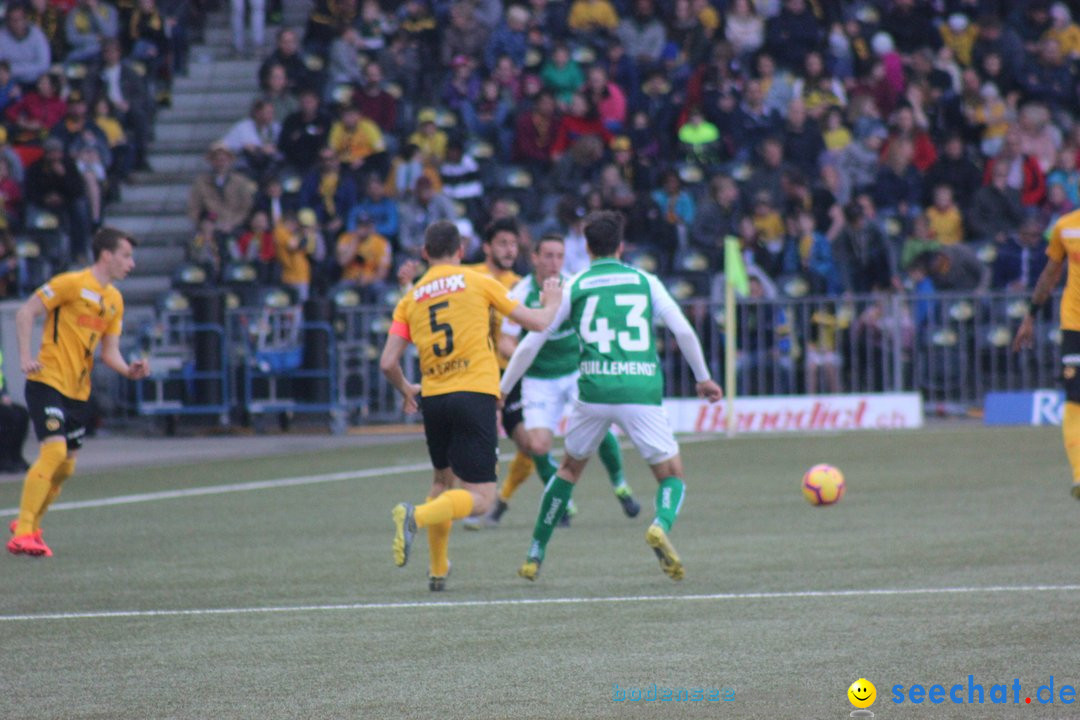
(1064, 244)
(447, 315)
(82, 310)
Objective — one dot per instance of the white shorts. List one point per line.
(647, 427)
(544, 400)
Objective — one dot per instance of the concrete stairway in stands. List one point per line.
(217, 92)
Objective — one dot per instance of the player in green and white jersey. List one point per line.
(549, 386)
(611, 307)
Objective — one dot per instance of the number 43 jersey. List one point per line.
(448, 316)
(611, 307)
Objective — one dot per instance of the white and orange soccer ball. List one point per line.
(823, 485)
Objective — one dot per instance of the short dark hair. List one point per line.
(549, 237)
(495, 227)
(441, 239)
(108, 238)
(603, 232)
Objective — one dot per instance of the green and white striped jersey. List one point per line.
(559, 356)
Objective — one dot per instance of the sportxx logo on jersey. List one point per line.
(439, 287)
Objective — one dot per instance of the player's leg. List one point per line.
(47, 412)
(611, 456)
(434, 411)
(77, 414)
(647, 427)
(521, 467)
(1070, 424)
(584, 433)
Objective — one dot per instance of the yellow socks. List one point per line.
(438, 537)
(1070, 431)
(521, 468)
(66, 469)
(38, 485)
(451, 505)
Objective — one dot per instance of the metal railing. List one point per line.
(950, 347)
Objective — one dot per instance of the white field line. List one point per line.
(233, 487)
(716, 597)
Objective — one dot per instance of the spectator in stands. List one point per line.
(205, 247)
(764, 364)
(581, 120)
(996, 209)
(38, 111)
(561, 75)
(754, 121)
(946, 220)
(425, 207)
(643, 35)
(716, 217)
(911, 27)
(255, 138)
(330, 192)
(305, 132)
(862, 253)
(882, 328)
(358, 142)
(126, 90)
(909, 123)
(509, 38)
(1038, 136)
(1066, 175)
(462, 86)
(375, 102)
(466, 36)
(255, 246)
(9, 89)
(461, 181)
(1047, 77)
(382, 210)
(86, 26)
(898, 186)
(55, 184)
(803, 142)
(364, 257)
(769, 173)
(24, 46)
(49, 17)
(344, 66)
(257, 20)
(1020, 259)
(328, 19)
(84, 141)
(287, 53)
(955, 169)
(590, 17)
(792, 34)
(534, 134)
(744, 28)
(400, 62)
(995, 38)
(277, 93)
(148, 37)
(953, 268)
(11, 196)
(294, 249)
(429, 140)
(225, 193)
(9, 287)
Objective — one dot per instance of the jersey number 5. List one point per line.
(436, 326)
(634, 339)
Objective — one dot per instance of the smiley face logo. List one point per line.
(862, 693)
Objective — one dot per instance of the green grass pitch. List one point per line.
(298, 612)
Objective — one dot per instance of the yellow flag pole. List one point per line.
(730, 339)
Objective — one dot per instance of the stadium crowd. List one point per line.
(857, 146)
(80, 83)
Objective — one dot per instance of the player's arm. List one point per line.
(25, 317)
(510, 331)
(538, 319)
(111, 356)
(1048, 280)
(672, 316)
(390, 364)
(527, 350)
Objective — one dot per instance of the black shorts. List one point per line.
(461, 434)
(54, 413)
(513, 412)
(1070, 364)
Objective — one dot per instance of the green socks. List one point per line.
(545, 468)
(552, 506)
(611, 456)
(669, 498)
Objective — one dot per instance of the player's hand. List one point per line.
(138, 369)
(30, 366)
(408, 272)
(412, 391)
(551, 295)
(500, 402)
(709, 390)
(1024, 334)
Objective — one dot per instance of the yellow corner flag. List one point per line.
(734, 269)
(735, 281)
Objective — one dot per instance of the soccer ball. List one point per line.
(823, 485)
